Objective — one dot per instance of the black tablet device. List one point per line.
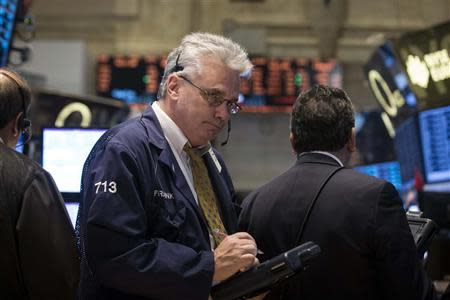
(423, 231)
(264, 276)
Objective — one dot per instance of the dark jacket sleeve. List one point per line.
(124, 250)
(46, 242)
(400, 274)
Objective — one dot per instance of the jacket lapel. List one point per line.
(167, 158)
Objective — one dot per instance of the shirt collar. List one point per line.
(1, 140)
(325, 153)
(173, 133)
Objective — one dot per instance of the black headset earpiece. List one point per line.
(24, 123)
(177, 66)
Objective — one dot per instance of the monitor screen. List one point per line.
(424, 55)
(386, 78)
(8, 10)
(279, 80)
(274, 81)
(132, 79)
(434, 130)
(64, 151)
(72, 210)
(408, 150)
(389, 171)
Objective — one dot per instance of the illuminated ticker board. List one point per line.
(279, 81)
(132, 79)
(274, 81)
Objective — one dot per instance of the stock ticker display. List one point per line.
(279, 81)
(434, 127)
(274, 81)
(408, 149)
(8, 10)
(132, 79)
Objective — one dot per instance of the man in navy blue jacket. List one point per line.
(143, 233)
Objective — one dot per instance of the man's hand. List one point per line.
(235, 252)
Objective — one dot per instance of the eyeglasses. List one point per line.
(216, 98)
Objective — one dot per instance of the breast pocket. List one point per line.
(171, 217)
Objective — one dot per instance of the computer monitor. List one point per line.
(434, 130)
(408, 150)
(64, 151)
(389, 171)
(8, 9)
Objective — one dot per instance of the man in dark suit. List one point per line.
(38, 256)
(368, 251)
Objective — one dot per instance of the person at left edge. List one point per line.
(143, 230)
(38, 255)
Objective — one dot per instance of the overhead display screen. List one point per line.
(274, 81)
(8, 10)
(132, 79)
(279, 81)
(425, 58)
(389, 85)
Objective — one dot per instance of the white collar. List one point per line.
(1, 140)
(171, 131)
(325, 153)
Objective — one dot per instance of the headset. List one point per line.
(24, 123)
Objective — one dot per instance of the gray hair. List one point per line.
(187, 57)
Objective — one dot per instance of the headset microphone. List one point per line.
(228, 133)
(26, 130)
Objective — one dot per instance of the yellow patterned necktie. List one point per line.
(205, 194)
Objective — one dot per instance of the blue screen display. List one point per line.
(389, 171)
(8, 10)
(408, 149)
(434, 130)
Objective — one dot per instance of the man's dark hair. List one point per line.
(15, 96)
(322, 119)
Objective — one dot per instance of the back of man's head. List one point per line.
(322, 120)
(15, 96)
(186, 59)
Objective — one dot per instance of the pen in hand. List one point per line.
(221, 236)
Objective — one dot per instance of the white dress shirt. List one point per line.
(176, 139)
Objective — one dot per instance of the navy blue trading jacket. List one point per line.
(143, 235)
